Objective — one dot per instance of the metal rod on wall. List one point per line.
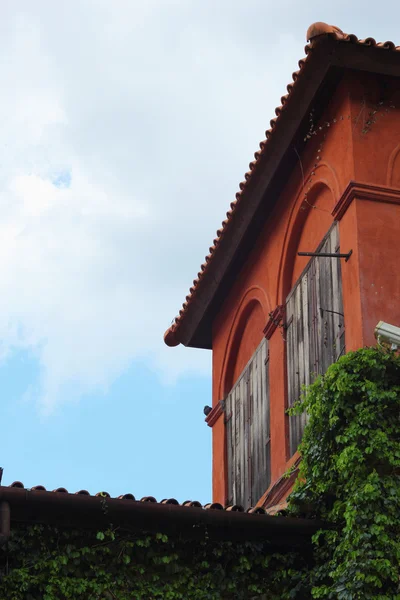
(327, 254)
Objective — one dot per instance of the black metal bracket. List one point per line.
(334, 312)
(327, 254)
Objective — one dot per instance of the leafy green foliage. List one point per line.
(59, 564)
(350, 476)
(349, 479)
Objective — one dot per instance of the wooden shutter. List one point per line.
(315, 326)
(248, 433)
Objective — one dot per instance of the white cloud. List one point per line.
(126, 127)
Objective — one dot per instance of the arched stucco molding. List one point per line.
(300, 214)
(252, 299)
(394, 159)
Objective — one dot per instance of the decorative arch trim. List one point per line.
(252, 296)
(327, 178)
(391, 163)
(297, 220)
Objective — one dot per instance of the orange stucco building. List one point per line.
(326, 181)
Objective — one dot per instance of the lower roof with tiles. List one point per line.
(190, 519)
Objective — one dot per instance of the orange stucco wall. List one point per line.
(369, 223)
(379, 252)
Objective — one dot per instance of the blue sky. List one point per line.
(140, 437)
(126, 128)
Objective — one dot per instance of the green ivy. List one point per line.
(349, 479)
(350, 476)
(58, 564)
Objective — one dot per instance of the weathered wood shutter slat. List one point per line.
(265, 436)
(315, 327)
(229, 440)
(247, 432)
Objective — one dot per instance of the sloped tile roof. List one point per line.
(189, 520)
(314, 32)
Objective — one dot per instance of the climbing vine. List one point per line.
(349, 479)
(370, 113)
(350, 476)
(51, 563)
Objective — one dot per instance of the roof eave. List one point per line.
(327, 54)
(69, 510)
(187, 332)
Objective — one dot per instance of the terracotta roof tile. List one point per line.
(127, 497)
(189, 520)
(314, 32)
(150, 499)
(235, 508)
